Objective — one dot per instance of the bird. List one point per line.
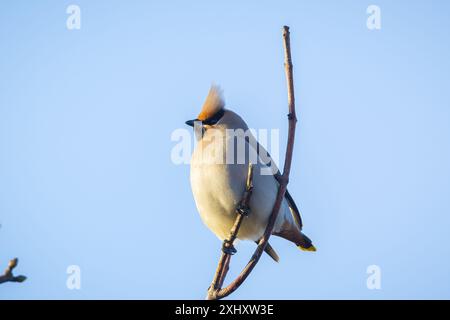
(218, 176)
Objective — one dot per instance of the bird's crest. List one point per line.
(214, 103)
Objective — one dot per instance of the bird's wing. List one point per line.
(294, 209)
(270, 251)
(293, 234)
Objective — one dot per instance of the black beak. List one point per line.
(191, 122)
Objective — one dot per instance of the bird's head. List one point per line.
(212, 110)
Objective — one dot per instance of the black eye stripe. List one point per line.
(215, 118)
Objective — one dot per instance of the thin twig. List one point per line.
(215, 291)
(227, 250)
(8, 274)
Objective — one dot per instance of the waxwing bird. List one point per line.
(218, 177)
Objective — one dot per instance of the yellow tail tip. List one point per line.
(310, 249)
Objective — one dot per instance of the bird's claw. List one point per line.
(228, 248)
(243, 210)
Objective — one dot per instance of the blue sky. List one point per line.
(86, 117)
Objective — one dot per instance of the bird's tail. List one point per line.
(299, 238)
(304, 243)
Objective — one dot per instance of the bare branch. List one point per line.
(228, 249)
(215, 291)
(8, 274)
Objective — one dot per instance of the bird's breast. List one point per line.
(218, 188)
(216, 185)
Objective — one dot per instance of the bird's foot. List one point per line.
(243, 210)
(228, 248)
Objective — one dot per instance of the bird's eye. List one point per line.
(215, 118)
